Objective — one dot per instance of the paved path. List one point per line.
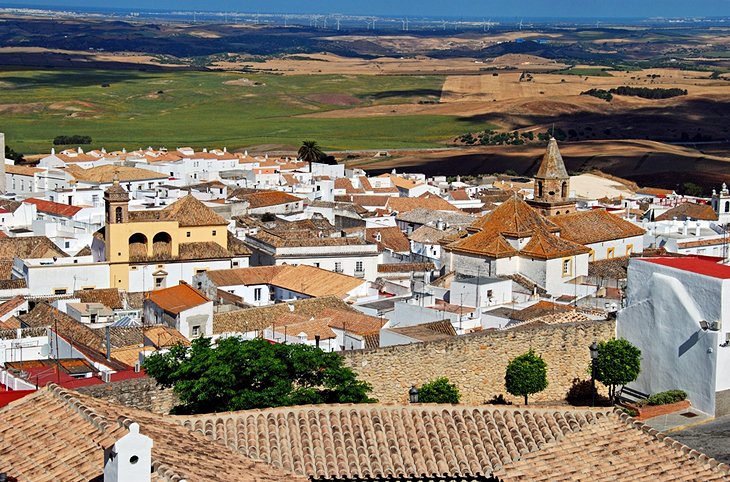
(680, 420)
(711, 438)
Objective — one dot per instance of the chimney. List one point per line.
(685, 227)
(130, 458)
(697, 228)
(53, 151)
(316, 340)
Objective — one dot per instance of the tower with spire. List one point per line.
(552, 184)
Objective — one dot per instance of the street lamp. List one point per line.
(594, 360)
(413, 394)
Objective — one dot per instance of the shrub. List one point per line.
(439, 391)
(630, 411)
(665, 398)
(498, 400)
(526, 374)
(76, 140)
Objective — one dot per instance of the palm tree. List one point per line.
(310, 152)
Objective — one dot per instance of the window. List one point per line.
(727, 206)
(316, 265)
(200, 271)
(610, 252)
(59, 291)
(187, 234)
(159, 282)
(567, 267)
(196, 331)
(490, 294)
(338, 267)
(235, 263)
(214, 232)
(118, 215)
(257, 294)
(358, 266)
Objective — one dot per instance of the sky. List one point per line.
(451, 8)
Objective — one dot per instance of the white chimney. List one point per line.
(697, 228)
(53, 151)
(129, 459)
(245, 153)
(685, 228)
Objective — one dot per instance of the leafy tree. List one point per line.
(618, 363)
(15, 156)
(439, 390)
(310, 152)
(691, 189)
(526, 374)
(76, 140)
(240, 375)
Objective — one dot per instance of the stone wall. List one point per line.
(141, 393)
(477, 363)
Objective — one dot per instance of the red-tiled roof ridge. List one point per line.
(9, 305)
(395, 442)
(54, 208)
(545, 245)
(514, 218)
(595, 226)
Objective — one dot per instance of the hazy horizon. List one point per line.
(456, 8)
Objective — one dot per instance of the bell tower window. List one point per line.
(118, 215)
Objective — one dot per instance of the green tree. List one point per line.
(310, 152)
(618, 363)
(240, 375)
(526, 374)
(15, 156)
(691, 189)
(439, 391)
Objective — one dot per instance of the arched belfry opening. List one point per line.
(162, 245)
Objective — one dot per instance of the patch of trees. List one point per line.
(237, 374)
(75, 140)
(599, 93)
(648, 93)
(15, 156)
(643, 92)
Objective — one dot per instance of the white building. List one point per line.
(60, 276)
(181, 307)
(678, 314)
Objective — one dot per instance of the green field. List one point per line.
(584, 71)
(171, 109)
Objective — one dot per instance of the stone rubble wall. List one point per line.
(141, 393)
(477, 363)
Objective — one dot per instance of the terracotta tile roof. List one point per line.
(552, 165)
(237, 247)
(433, 331)
(402, 182)
(53, 208)
(485, 243)
(354, 322)
(259, 318)
(689, 210)
(428, 235)
(187, 211)
(426, 201)
(596, 226)
(614, 268)
(701, 242)
(105, 174)
(11, 305)
(365, 183)
(460, 195)
(163, 336)
(22, 170)
(85, 251)
(548, 246)
(311, 328)
(346, 185)
(370, 200)
(447, 442)
(130, 354)
(201, 250)
(280, 239)
(110, 297)
(177, 298)
(391, 238)
(56, 434)
(262, 199)
(12, 323)
(430, 217)
(540, 309)
(514, 218)
(614, 448)
(30, 247)
(405, 267)
(304, 279)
